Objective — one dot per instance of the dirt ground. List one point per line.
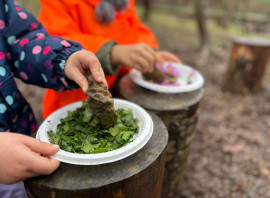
(230, 154)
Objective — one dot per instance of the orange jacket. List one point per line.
(75, 20)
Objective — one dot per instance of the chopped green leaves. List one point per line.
(81, 132)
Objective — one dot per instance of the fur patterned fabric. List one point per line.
(105, 10)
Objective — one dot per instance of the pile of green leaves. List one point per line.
(81, 131)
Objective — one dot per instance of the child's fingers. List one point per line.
(96, 72)
(21, 176)
(169, 57)
(42, 165)
(150, 50)
(172, 58)
(38, 164)
(40, 147)
(83, 62)
(77, 76)
(160, 59)
(150, 58)
(28, 174)
(103, 76)
(91, 62)
(138, 67)
(142, 63)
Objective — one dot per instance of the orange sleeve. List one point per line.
(58, 21)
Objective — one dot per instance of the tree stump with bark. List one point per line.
(248, 61)
(178, 112)
(139, 175)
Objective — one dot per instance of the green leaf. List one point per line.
(114, 131)
(101, 150)
(87, 115)
(81, 131)
(87, 148)
(126, 135)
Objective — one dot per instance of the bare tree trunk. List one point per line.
(202, 29)
(147, 7)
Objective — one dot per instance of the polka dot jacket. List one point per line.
(28, 53)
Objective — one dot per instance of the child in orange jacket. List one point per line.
(95, 24)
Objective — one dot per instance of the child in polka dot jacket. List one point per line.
(28, 53)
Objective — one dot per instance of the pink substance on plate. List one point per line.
(176, 84)
(172, 71)
(172, 74)
(165, 83)
(158, 65)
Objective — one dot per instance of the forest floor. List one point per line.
(230, 153)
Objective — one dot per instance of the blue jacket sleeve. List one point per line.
(34, 57)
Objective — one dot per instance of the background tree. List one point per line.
(199, 14)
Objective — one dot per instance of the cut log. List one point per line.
(178, 112)
(139, 175)
(248, 61)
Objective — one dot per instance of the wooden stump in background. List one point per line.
(248, 61)
(178, 112)
(137, 176)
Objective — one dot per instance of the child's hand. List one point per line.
(83, 63)
(163, 56)
(139, 56)
(21, 159)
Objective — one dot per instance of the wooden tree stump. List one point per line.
(178, 112)
(248, 60)
(139, 175)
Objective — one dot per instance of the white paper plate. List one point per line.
(139, 139)
(189, 80)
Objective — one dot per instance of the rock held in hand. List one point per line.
(101, 102)
(156, 75)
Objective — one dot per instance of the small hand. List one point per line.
(83, 63)
(139, 56)
(21, 159)
(163, 56)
